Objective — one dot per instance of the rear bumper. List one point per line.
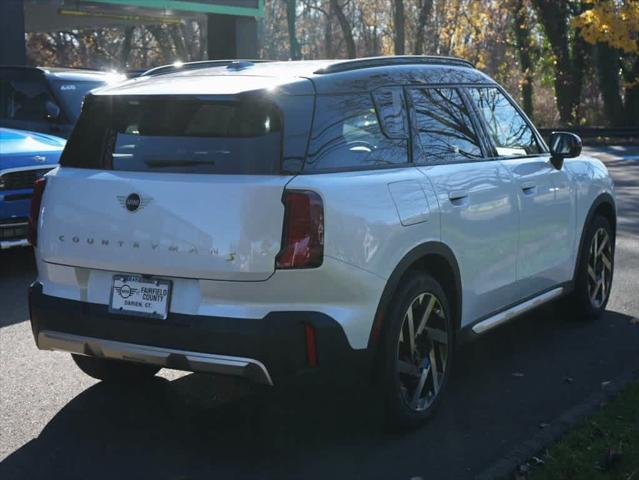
(6, 244)
(266, 350)
(164, 357)
(13, 232)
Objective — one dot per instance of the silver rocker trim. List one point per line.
(164, 357)
(506, 315)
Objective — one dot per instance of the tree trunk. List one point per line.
(328, 33)
(294, 48)
(609, 84)
(420, 34)
(202, 34)
(176, 32)
(126, 47)
(163, 41)
(400, 30)
(631, 106)
(346, 28)
(523, 42)
(554, 15)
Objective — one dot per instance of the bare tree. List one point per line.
(346, 28)
(126, 46)
(425, 11)
(399, 21)
(570, 52)
(523, 41)
(291, 11)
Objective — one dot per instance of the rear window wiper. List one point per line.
(178, 163)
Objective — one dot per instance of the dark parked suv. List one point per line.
(46, 100)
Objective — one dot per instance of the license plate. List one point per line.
(147, 297)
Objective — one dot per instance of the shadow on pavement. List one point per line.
(17, 271)
(626, 175)
(503, 387)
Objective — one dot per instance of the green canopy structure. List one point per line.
(232, 28)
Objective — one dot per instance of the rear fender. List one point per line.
(394, 281)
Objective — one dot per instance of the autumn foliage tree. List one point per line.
(568, 61)
(613, 28)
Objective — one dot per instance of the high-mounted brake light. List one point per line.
(34, 213)
(303, 236)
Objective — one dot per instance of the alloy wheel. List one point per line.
(599, 268)
(422, 351)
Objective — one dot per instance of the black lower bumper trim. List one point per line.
(278, 340)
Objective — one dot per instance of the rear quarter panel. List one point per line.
(591, 179)
(363, 222)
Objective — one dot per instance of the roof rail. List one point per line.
(371, 62)
(179, 67)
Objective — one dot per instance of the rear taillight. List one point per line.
(303, 236)
(36, 202)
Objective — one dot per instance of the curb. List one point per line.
(506, 466)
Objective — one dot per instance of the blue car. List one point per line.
(24, 157)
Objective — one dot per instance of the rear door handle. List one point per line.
(458, 197)
(529, 188)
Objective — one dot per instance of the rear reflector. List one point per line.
(34, 213)
(303, 236)
(311, 348)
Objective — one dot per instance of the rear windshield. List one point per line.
(176, 135)
(71, 93)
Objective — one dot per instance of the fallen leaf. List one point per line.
(611, 459)
(522, 472)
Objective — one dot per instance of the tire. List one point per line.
(405, 369)
(587, 301)
(114, 371)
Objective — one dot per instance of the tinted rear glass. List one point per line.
(176, 135)
(71, 93)
(23, 95)
(347, 135)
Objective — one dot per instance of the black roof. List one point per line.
(304, 77)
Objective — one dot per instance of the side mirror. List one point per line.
(52, 110)
(563, 145)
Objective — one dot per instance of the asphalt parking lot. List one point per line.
(57, 423)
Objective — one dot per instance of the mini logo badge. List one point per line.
(133, 202)
(125, 291)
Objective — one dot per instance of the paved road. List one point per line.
(57, 423)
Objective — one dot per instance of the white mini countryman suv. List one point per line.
(266, 220)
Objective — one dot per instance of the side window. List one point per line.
(443, 124)
(23, 98)
(392, 113)
(509, 131)
(347, 134)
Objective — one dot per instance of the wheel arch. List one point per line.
(605, 206)
(434, 258)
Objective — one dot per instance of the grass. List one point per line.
(603, 447)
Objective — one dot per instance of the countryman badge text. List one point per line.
(229, 257)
